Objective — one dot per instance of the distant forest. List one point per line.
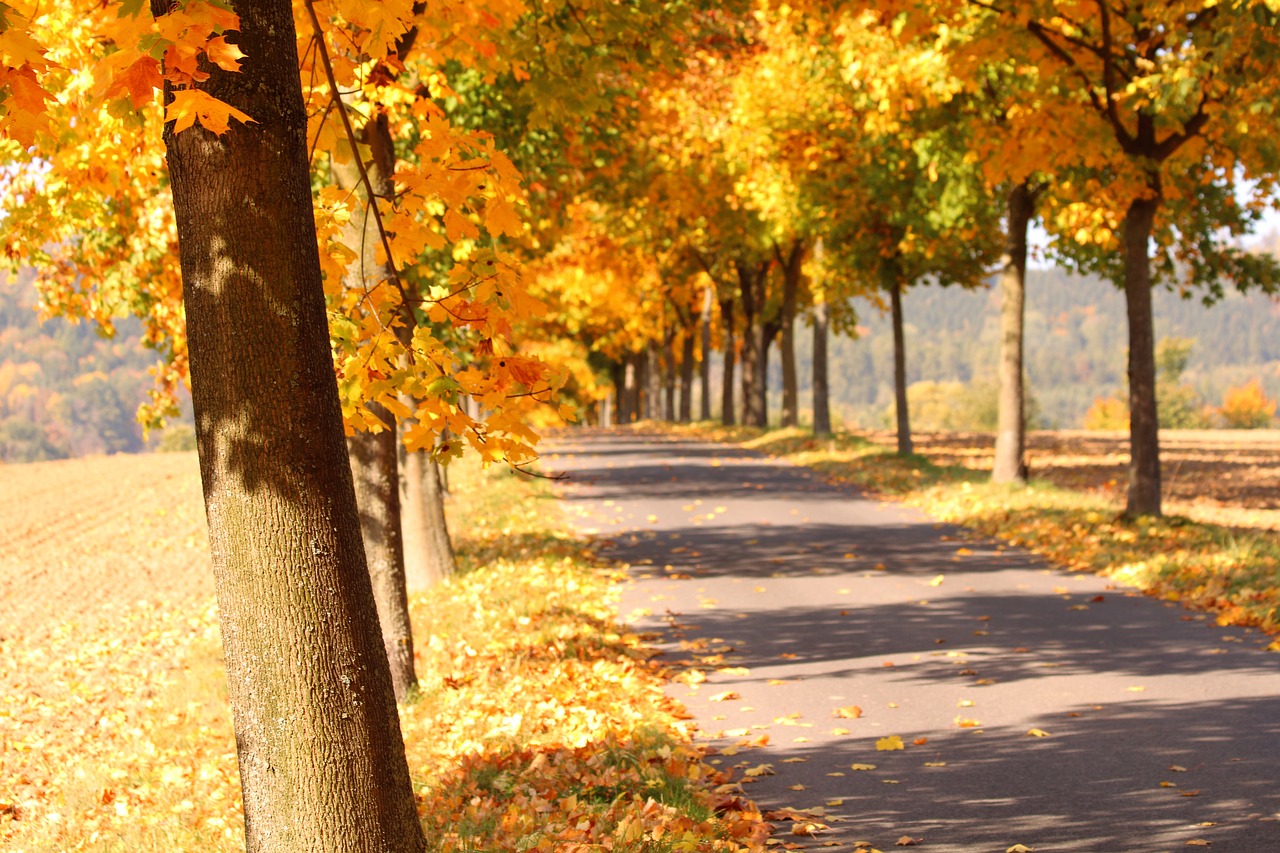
(64, 389)
(1077, 340)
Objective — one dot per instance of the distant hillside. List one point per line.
(1077, 338)
(65, 390)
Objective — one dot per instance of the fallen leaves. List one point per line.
(1038, 733)
(848, 712)
(886, 744)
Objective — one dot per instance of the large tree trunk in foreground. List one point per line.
(787, 347)
(1011, 422)
(730, 347)
(1144, 432)
(704, 363)
(375, 469)
(892, 282)
(322, 763)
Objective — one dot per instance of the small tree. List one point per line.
(1107, 413)
(1247, 406)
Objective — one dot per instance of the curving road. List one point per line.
(827, 621)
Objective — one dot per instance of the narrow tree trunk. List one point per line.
(752, 339)
(669, 376)
(787, 348)
(704, 364)
(1011, 431)
(768, 336)
(322, 763)
(428, 549)
(821, 386)
(376, 473)
(627, 395)
(730, 347)
(893, 283)
(1144, 434)
(653, 371)
(687, 355)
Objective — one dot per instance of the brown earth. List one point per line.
(1228, 477)
(88, 537)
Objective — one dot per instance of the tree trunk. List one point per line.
(892, 282)
(322, 762)
(428, 549)
(1144, 434)
(628, 393)
(730, 346)
(752, 337)
(821, 387)
(376, 472)
(653, 371)
(1011, 431)
(374, 458)
(687, 355)
(787, 349)
(768, 335)
(704, 364)
(669, 376)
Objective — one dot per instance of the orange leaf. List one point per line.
(190, 105)
(225, 56)
(848, 712)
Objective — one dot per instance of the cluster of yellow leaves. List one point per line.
(22, 62)
(540, 725)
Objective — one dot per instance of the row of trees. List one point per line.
(809, 154)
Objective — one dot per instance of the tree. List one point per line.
(321, 759)
(1149, 114)
(1247, 407)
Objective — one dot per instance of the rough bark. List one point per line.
(627, 394)
(892, 282)
(322, 762)
(730, 347)
(1011, 425)
(821, 386)
(1144, 434)
(787, 347)
(375, 470)
(704, 363)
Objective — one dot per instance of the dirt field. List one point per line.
(1229, 477)
(85, 536)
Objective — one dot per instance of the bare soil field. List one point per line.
(84, 537)
(1228, 477)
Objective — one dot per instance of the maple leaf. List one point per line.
(192, 105)
(140, 80)
(891, 742)
(848, 712)
(1038, 733)
(225, 56)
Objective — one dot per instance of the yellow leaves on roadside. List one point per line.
(1019, 848)
(937, 581)
(725, 696)
(872, 766)
(908, 841)
(1038, 733)
(891, 742)
(966, 723)
(759, 770)
(191, 105)
(847, 712)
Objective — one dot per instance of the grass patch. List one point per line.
(541, 724)
(1205, 566)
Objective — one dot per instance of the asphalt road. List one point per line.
(797, 598)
